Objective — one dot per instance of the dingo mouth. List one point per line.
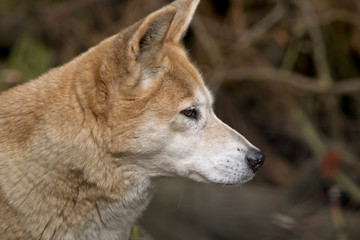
(198, 176)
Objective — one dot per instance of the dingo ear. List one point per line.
(185, 10)
(133, 50)
(149, 37)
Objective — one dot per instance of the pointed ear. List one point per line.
(185, 10)
(131, 52)
(150, 35)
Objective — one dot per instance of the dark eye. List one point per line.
(190, 112)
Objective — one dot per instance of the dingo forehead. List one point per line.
(186, 80)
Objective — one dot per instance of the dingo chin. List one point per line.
(81, 145)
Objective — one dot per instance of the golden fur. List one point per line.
(81, 145)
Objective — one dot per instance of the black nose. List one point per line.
(255, 159)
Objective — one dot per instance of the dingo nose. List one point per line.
(255, 159)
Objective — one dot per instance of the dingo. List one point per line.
(81, 145)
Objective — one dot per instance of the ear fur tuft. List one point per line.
(133, 53)
(150, 35)
(130, 51)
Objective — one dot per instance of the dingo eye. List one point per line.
(190, 112)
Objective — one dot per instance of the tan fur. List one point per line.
(81, 145)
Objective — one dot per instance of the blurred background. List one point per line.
(285, 73)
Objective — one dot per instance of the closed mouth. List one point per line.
(197, 176)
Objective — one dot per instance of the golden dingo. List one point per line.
(81, 145)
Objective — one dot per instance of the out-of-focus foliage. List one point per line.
(286, 74)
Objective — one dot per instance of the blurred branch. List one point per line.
(299, 82)
(310, 134)
(336, 212)
(219, 29)
(330, 16)
(263, 26)
(244, 38)
(348, 185)
(348, 156)
(316, 36)
(209, 44)
(212, 47)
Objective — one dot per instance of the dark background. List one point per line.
(285, 74)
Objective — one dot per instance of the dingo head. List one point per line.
(157, 111)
